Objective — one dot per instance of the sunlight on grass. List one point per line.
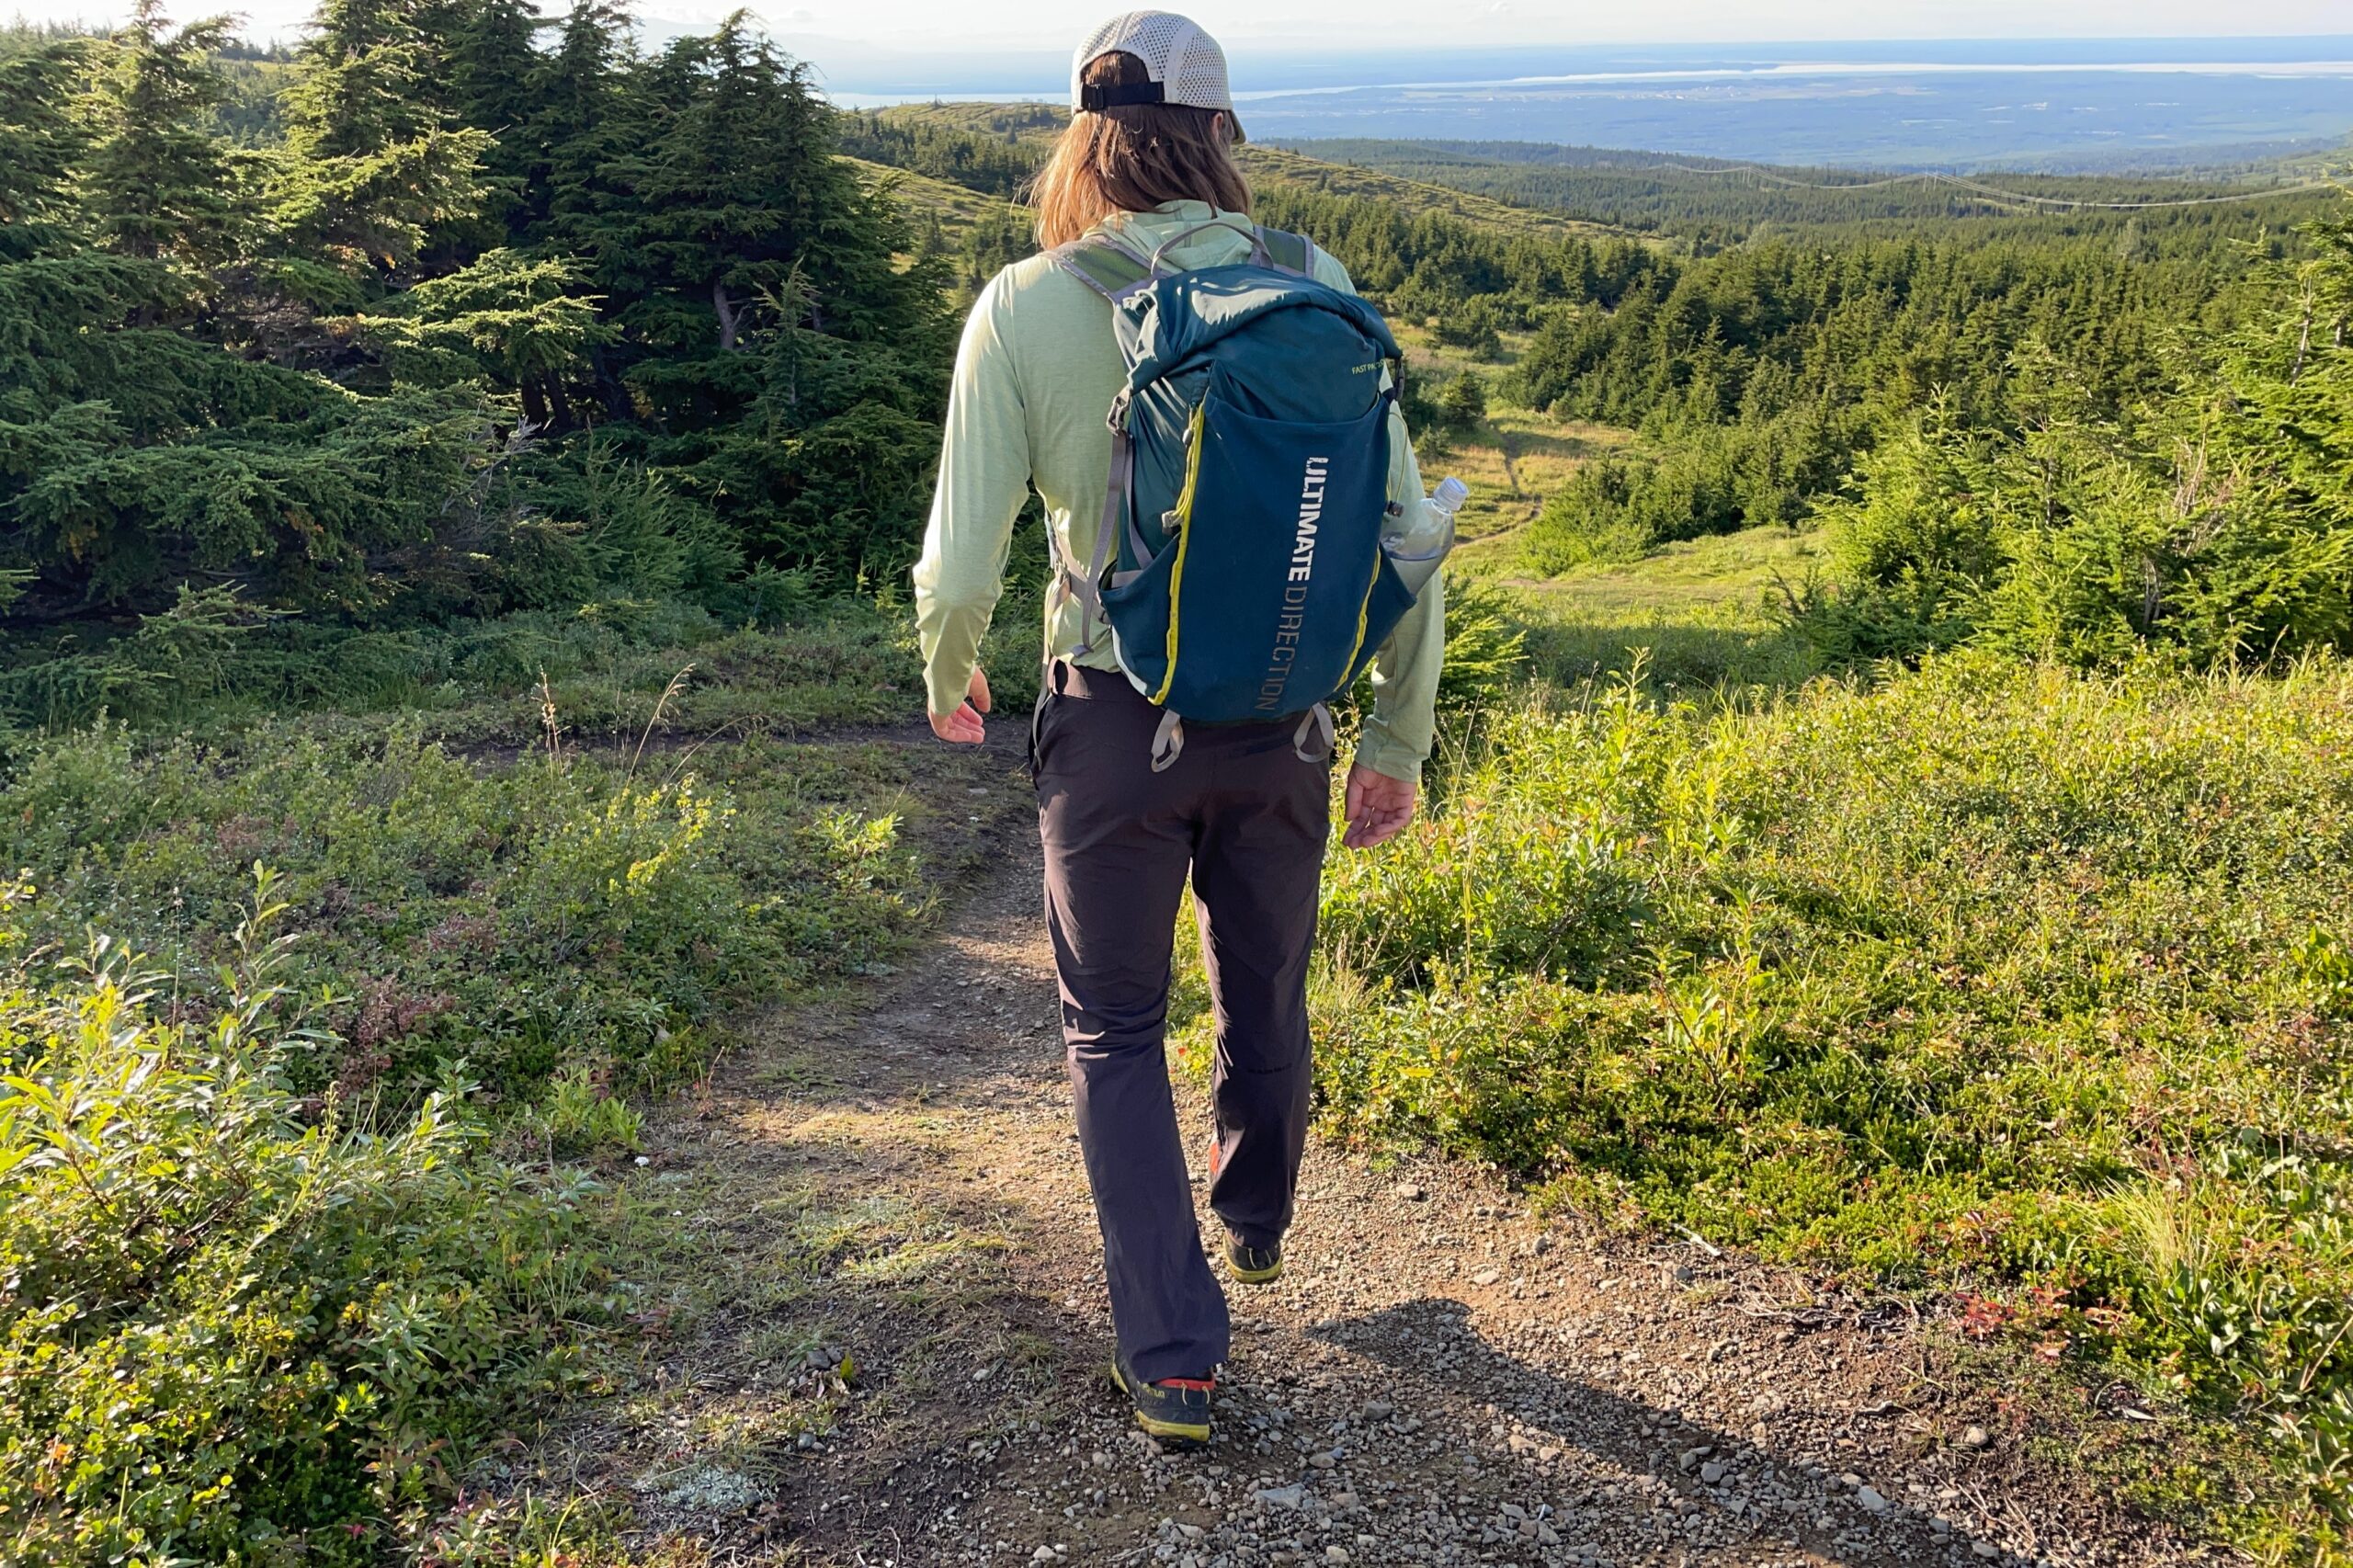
(1723, 577)
(1994, 977)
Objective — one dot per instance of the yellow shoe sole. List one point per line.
(1254, 1276)
(1168, 1431)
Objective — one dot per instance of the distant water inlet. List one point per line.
(1912, 104)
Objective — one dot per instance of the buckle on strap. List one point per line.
(1168, 740)
(1316, 720)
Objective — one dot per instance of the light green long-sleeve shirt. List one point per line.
(1034, 377)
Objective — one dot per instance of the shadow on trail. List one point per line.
(1433, 1341)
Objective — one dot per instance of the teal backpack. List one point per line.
(1239, 570)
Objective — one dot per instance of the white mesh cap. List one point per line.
(1185, 61)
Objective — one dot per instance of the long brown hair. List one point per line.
(1132, 157)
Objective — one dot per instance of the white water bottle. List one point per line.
(1417, 550)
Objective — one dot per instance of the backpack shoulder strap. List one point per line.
(1115, 270)
(1288, 252)
(1104, 265)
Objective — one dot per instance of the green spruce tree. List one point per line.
(586, 119)
(371, 165)
(158, 184)
(1462, 404)
(727, 191)
(493, 87)
(787, 358)
(40, 142)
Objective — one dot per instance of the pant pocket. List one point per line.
(1038, 721)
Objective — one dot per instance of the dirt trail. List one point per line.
(1442, 1377)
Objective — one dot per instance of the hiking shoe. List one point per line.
(1253, 1265)
(1175, 1410)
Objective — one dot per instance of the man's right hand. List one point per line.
(1377, 807)
(963, 727)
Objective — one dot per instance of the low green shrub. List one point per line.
(564, 911)
(579, 1114)
(235, 1326)
(1695, 481)
(285, 1237)
(1486, 660)
(780, 658)
(1486, 646)
(1672, 653)
(1994, 974)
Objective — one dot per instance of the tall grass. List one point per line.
(1997, 976)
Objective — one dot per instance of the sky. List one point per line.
(1286, 25)
(1413, 23)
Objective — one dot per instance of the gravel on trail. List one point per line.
(1442, 1376)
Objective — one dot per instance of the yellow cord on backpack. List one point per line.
(1364, 617)
(1193, 436)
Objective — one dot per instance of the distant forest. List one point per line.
(1709, 202)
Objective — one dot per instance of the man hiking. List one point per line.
(1208, 413)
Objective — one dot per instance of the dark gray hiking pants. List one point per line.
(1248, 818)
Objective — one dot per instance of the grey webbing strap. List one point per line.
(1168, 740)
(1112, 238)
(1318, 722)
(1113, 269)
(1137, 545)
(1089, 589)
(1062, 590)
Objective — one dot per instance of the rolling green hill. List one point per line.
(990, 148)
(1410, 195)
(958, 207)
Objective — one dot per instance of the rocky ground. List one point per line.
(887, 1334)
